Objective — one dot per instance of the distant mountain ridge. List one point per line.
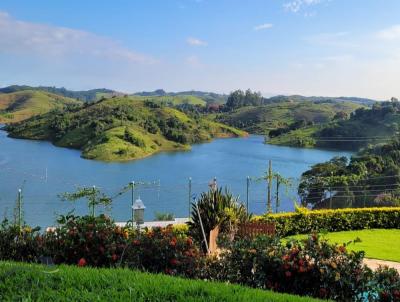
(208, 97)
(317, 99)
(83, 95)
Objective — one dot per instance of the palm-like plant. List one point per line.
(217, 208)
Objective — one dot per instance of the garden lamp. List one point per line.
(138, 211)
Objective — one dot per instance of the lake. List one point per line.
(44, 171)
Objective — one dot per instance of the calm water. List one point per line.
(24, 163)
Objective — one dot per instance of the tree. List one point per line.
(93, 196)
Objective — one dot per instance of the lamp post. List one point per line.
(138, 212)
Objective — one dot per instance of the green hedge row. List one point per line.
(305, 221)
(28, 282)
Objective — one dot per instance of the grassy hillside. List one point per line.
(262, 119)
(21, 105)
(173, 100)
(122, 129)
(208, 97)
(83, 95)
(364, 127)
(29, 282)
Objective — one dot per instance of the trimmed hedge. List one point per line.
(305, 221)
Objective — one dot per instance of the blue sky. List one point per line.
(309, 47)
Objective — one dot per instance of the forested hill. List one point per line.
(21, 105)
(261, 119)
(208, 97)
(363, 127)
(83, 95)
(121, 128)
(369, 179)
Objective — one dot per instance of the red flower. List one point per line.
(114, 257)
(136, 242)
(189, 241)
(323, 292)
(288, 274)
(82, 262)
(172, 242)
(173, 261)
(101, 249)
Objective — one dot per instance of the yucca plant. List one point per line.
(216, 208)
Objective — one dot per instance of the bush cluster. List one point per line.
(304, 221)
(310, 267)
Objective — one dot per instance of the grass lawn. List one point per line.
(28, 282)
(377, 243)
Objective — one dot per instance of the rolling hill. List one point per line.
(261, 119)
(363, 127)
(83, 95)
(21, 105)
(122, 128)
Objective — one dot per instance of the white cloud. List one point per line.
(390, 34)
(20, 37)
(296, 5)
(263, 26)
(196, 42)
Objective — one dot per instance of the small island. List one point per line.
(121, 128)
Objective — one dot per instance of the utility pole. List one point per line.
(269, 178)
(93, 200)
(190, 194)
(278, 182)
(132, 200)
(247, 193)
(330, 191)
(365, 196)
(19, 207)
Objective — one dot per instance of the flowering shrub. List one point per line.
(311, 267)
(163, 250)
(18, 243)
(386, 285)
(86, 240)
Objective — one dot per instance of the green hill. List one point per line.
(261, 119)
(21, 105)
(83, 95)
(365, 126)
(122, 128)
(173, 100)
(207, 97)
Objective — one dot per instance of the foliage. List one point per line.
(311, 267)
(164, 216)
(87, 240)
(372, 178)
(239, 99)
(306, 221)
(386, 284)
(18, 243)
(162, 250)
(93, 196)
(373, 124)
(217, 208)
(24, 282)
